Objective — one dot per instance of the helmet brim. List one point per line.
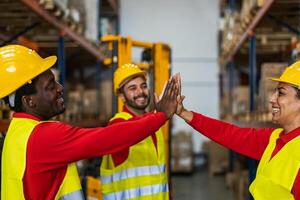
(48, 63)
(284, 81)
(276, 79)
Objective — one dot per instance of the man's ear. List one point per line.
(121, 95)
(28, 101)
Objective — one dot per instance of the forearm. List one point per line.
(63, 143)
(247, 141)
(121, 135)
(186, 115)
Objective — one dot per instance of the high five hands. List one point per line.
(180, 110)
(171, 100)
(168, 100)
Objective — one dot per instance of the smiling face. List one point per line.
(48, 100)
(285, 105)
(135, 94)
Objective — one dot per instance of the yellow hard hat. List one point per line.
(124, 72)
(290, 75)
(18, 65)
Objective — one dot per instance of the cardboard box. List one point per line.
(218, 158)
(240, 100)
(182, 153)
(106, 99)
(266, 85)
(90, 104)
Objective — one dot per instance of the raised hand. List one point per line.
(180, 98)
(180, 110)
(168, 101)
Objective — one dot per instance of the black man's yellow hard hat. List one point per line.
(19, 65)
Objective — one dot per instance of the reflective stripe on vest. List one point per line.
(14, 164)
(77, 195)
(70, 188)
(137, 192)
(275, 177)
(133, 172)
(142, 176)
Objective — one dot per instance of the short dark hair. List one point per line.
(120, 90)
(27, 89)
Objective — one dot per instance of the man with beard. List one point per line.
(138, 172)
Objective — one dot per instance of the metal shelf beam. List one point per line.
(39, 10)
(248, 31)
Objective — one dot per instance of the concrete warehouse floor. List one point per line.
(200, 186)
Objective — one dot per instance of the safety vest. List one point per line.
(142, 176)
(275, 178)
(14, 164)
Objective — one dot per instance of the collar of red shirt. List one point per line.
(289, 136)
(125, 109)
(25, 115)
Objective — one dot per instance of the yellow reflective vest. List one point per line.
(142, 176)
(14, 164)
(275, 177)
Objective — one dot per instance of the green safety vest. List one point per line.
(275, 178)
(142, 176)
(14, 164)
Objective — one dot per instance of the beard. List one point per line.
(133, 104)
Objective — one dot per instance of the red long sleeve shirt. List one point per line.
(53, 145)
(250, 142)
(121, 156)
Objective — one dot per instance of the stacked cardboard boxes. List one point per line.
(182, 153)
(240, 100)
(218, 158)
(237, 180)
(266, 85)
(89, 104)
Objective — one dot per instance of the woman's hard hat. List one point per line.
(290, 75)
(125, 72)
(19, 65)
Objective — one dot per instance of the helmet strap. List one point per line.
(11, 99)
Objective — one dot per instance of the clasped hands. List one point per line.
(171, 100)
